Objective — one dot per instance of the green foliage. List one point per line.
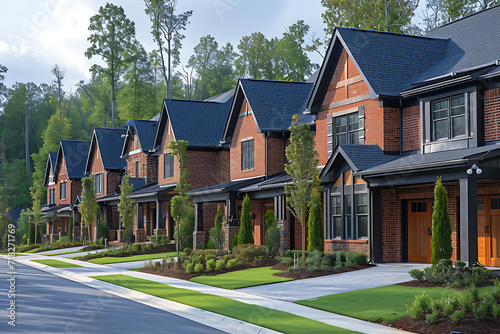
(234, 243)
(302, 166)
(190, 268)
(88, 206)
(481, 311)
(250, 253)
(210, 265)
(495, 309)
(198, 268)
(198, 259)
(127, 208)
(417, 274)
(420, 305)
(432, 317)
(210, 257)
(216, 233)
(187, 251)
(441, 225)
(165, 240)
(220, 265)
(269, 220)
(231, 264)
(103, 230)
(245, 234)
(458, 276)
(457, 316)
(273, 240)
(316, 233)
(24, 240)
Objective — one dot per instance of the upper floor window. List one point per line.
(448, 118)
(62, 190)
(347, 128)
(247, 154)
(168, 168)
(52, 196)
(99, 183)
(137, 168)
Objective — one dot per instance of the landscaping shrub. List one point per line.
(495, 309)
(457, 316)
(220, 265)
(216, 233)
(250, 253)
(165, 239)
(101, 241)
(441, 225)
(155, 239)
(481, 311)
(147, 247)
(419, 306)
(285, 260)
(209, 245)
(24, 240)
(234, 243)
(190, 268)
(245, 233)
(198, 268)
(359, 259)
(449, 306)
(314, 260)
(231, 264)
(326, 264)
(134, 248)
(458, 276)
(332, 257)
(198, 259)
(187, 251)
(211, 265)
(228, 257)
(210, 257)
(102, 230)
(273, 241)
(432, 317)
(185, 263)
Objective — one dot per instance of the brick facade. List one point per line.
(411, 128)
(492, 114)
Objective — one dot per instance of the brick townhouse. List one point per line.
(105, 165)
(395, 111)
(63, 178)
(256, 134)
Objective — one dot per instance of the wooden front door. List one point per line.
(419, 230)
(488, 230)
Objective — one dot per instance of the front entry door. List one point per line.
(488, 230)
(419, 230)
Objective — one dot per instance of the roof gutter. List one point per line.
(426, 88)
(411, 167)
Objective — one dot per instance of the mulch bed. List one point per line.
(468, 325)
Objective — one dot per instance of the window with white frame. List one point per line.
(99, 183)
(168, 168)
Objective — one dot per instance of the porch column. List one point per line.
(158, 209)
(232, 207)
(376, 225)
(198, 217)
(468, 221)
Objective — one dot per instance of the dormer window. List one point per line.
(448, 118)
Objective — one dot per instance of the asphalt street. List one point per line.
(45, 303)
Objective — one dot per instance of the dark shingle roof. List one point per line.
(273, 103)
(75, 155)
(365, 156)
(110, 143)
(201, 123)
(222, 97)
(145, 130)
(53, 158)
(390, 61)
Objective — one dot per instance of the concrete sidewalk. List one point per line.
(89, 269)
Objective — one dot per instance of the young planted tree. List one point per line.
(302, 166)
(245, 234)
(216, 232)
(88, 206)
(316, 233)
(113, 34)
(126, 207)
(182, 209)
(272, 233)
(441, 225)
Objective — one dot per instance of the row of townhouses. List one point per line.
(390, 112)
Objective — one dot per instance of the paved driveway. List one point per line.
(385, 274)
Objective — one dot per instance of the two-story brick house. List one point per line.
(105, 165)
(63, 177)
(395, 111)
(256, 133)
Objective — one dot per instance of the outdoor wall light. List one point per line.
(474, 168)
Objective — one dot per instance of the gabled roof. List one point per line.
(145, 131)
(110, 143)
(50, 167)
(272, 102)
(75, 154)
(358, 157)
(391, 63)
(201, 123)
(222, 97)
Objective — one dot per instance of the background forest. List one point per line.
(132, 83)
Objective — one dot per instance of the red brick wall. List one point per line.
(247, 128)
(207, 168)
(492, 114)
(360, 246)
(275, 153)
(390, 131)
(411, 128)
(167, 138)
(62, 176)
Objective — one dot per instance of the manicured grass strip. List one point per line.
(135, 269)
(242, 278)
(387, 303)
(57, 264)
(33, 250)
(142, 257)
(63, 253)
(258, 315)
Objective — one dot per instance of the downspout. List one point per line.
(400, 126)
(267, 167)
(284, 150)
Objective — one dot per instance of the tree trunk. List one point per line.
(169, 69)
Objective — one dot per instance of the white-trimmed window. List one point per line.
(247, 154)
(99, 183)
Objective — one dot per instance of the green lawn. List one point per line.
(135, 269)
(63, 253)
(106, 260)
(33, 250)
(262, 316)
(387, 303)
(57, 264)
(242, 278)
